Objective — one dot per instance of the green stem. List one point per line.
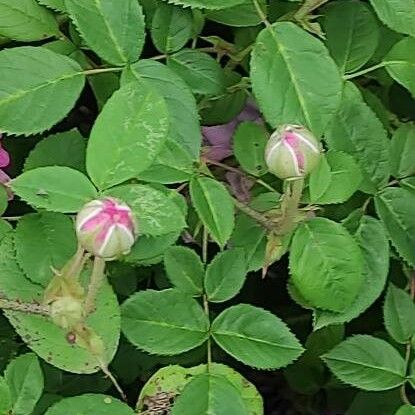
(28, 308)
(258, 217)
(101, 70)
(365, 71)
(113, 380)
(290, 205)
(95, 283)
(261, 14)
(205, 298)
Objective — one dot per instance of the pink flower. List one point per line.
(106, 228)
(4, 162)
(218, 138)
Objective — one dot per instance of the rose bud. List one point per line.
(292, 151)
(106, 228)
(66, 312)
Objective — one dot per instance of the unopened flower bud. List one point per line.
(66, 312)
(106, 228)
(292, 151)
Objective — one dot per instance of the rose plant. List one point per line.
(208, 207)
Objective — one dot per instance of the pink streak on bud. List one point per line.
(110, 214)
(290, 139)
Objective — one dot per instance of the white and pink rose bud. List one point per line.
(292, 151)
(106, 228)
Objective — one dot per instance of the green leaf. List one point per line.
(357, 131)
(199, 70)
(326, 264)
(225, 275)
(165, 322)
(249, 144)
(372, 239)
(89, 404)
(399, 314)
(403, 151)
(395, 207)
(155, 211)
(400, 63)
(5, 398)
(181, 104)
(286, 89)
(115, 31)
(399, 15)
(58, 5)
(406, 410)
(172, 379)
(171, 28)
(26, 21)
(55, 188)
(62, 149)
(206, 4)
(339, 183)
(352, 33)
(59, 243)
(184, 269)
(25, 379)
(33, 75)
(242, 15)
(209, 394)
(214, 205)
(126, 136)
(367, 363)
(255, 337)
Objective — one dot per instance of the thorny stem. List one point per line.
(95, 283)
(261, 219)
(292, 201)
(365, 71)
(261, 14)
(404, 396)
(29, 308)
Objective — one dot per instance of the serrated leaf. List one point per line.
(249, 143)
(172, 379)
(184, 269)
(406, 410)
(209, 394)
(403, 151)
(255, 337)
(206, 4)
(341, 182)
(59, 243)
(155, 211)
(171, 28)
(368, 363)
(399, 314)
(62, 149)
(399, 15)
(400, 63)
(58, 5)
(326, 264)
(164, 322)
(115, 31)
(54, 188)
(181, 104)
(5, 398)
(352, 33)
(127, 136)
(286, 89)
(25, 379)
(242, 15)
(372, 239)
(358, 132)
(225, 275)
(88, 404)
(395, 207)
(199, 70)
(214, 206)
(34, 75)
(26, 21)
